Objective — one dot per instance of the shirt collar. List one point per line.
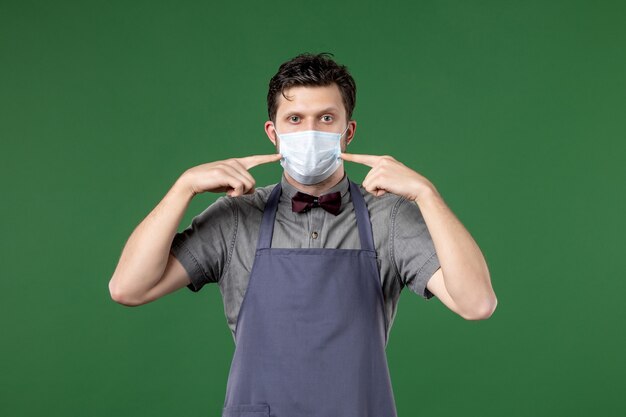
(343, 186)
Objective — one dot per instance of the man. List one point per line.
(310, 269)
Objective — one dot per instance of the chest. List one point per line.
(316, 229)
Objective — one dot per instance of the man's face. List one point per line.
(311, 108)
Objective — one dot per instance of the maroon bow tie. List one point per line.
(302, 202)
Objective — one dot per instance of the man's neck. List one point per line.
(319, 188)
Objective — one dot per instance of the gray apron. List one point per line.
(311, 332)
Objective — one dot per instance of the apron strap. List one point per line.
(269, 214)
(362, 217)
(360, 209)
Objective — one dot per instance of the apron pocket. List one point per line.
(246, 410)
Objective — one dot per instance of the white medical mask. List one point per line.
(310, 156)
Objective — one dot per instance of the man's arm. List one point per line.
(146, 269)
(462, 283)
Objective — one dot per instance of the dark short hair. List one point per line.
(311, 70)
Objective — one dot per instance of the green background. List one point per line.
(514, 110)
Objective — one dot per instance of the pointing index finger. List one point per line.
(369, 160)
(254, 160)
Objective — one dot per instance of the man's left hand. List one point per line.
(389, 175)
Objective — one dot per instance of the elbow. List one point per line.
(122, 297)
(482, 311)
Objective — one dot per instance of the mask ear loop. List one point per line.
(277, 137)
(276, 130)
(344, 132)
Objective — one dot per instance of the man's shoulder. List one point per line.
(385, 202)
(252, 202)
(388, 206)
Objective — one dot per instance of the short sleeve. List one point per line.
(203, 247)
(412, 248)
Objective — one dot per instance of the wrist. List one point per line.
(427, 192)
(183, 187)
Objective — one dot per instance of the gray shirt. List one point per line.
(220, 243)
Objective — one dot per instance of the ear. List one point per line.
(351, 131)
(270, 131)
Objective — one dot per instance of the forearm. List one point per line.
(144, 257)
(465, 272)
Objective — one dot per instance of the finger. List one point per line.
(243, 172)
(369, 160)
(369, 183)
(372, 183)
(235, 179)
(254, 160)
(370, 179)
(237, 187)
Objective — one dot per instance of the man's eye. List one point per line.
(327, 118)
(294, 118)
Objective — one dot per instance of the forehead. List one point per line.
(310, 99)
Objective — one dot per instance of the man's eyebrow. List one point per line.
(331, 109)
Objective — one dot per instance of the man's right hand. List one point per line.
(230, 175)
